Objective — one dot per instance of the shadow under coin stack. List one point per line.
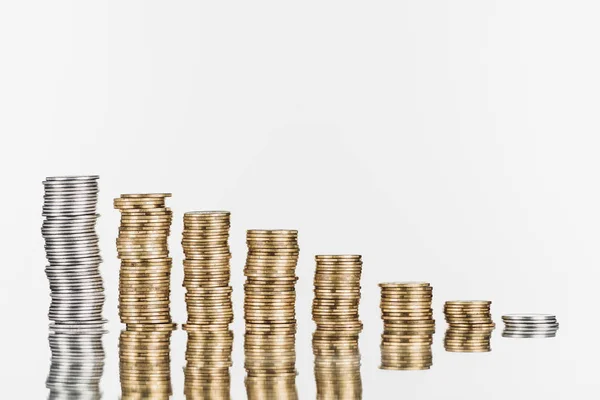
(76, 365)
(470, 326)
(71, 243)
(269, 310)
(529, 326)
(408, 326)
(145, 362)
(337, 366)
(208, 300)
(145, 276)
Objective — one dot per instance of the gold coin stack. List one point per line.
(208, 357)
(206, 268)
(337, 366)
(408, 326)
(145, 276)
(470, 326)
(337, 293)
(208, 300)
(269, 310)
(145, 363)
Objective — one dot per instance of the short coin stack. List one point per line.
(528, 326)
(208, 357)
(145, 276)
(337, 366)
(145, 362)
(71, 243)
(206, 268)
(269, 311)
(408, 325)
(337, 293)
(470, 326)
(76, 365)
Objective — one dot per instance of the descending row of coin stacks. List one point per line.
(71, 243)
(337, 366)
(529, 326)
(470, 326)
(76, 364)
(408, 325)
(208, 300)
(145, 362)
(145, 276)
(269, 311)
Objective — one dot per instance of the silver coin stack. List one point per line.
(71, 243)
(529, 326)
(76, 366)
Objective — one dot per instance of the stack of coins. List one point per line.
(71, 243)
(145, 276)
(337, 293)
(269, 311)
(529, 326)
(206, 268)
(408, 326)
(76, 365)
(470, 326)
(145, 362)
(337, 365)
(208, 357)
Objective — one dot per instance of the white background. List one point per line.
(449, 141)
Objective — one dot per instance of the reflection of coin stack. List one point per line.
(269, 310)
(145, 277)
(529, 326)
(76, 365)
(337, 293)
(208, 299)
(71, 243)
(337, 365)
(408, 326)
(208, 357)
(144, 355)
(470, 326)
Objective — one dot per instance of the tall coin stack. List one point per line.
(206, 269)
(337, 366)
(408, 326)
(208, 300)
(76, 365)
(145, 362)
(71, 243)
(529, 326)
(145, 276)
(470, 326)
(269, 310)
(337, 293)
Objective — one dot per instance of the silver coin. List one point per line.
(528, 335)
(528, 317)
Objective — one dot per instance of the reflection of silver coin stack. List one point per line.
(71, 243)
(76, 365)
(529, 326)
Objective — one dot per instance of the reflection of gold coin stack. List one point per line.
(144, 356)
(269, 310)
(145, 276)
(208, 300)
(408, 326)
(337, 365)
(208, 358)
(337, 293)
(470, 326)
